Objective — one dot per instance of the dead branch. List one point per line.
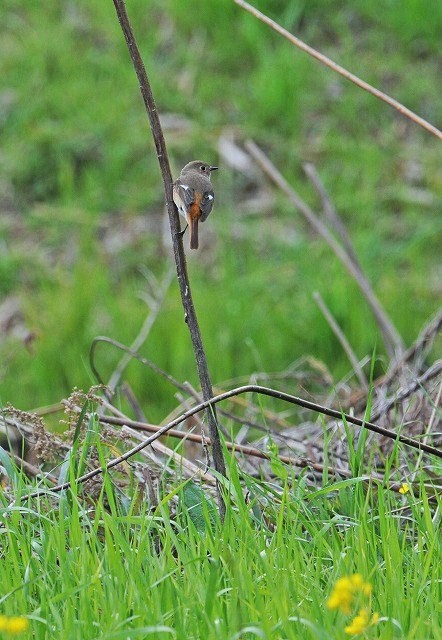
(341, 70)
(180, 260)
(410, 442)
(184, 387)
(331, 213)
(133, 354)
(419, 349)
(432, 372)
(392, 340)
(231, 446)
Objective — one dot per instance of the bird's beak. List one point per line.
(213, 168)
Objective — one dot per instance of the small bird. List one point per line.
(193, 196)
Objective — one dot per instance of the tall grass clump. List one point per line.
(290, 560)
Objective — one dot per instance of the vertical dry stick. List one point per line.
(180, 260)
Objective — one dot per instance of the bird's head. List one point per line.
(200, 167)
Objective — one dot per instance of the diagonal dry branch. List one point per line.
(433, 372)
(416, 354)
(341, 70)
(155, 307)
(331, 214)
(180, 260)
(342, 339)
(392, 340)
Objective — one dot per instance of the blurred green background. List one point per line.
(82, 208)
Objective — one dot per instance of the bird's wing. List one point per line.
(185, 193)
(206, 204)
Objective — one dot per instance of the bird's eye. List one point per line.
(203, 167)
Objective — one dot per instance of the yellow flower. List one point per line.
(374, 618)
(361, 622)
(13, 624)
(340, 601)
(358, 624)
(404, 488)
(356, 580)
(346, 590)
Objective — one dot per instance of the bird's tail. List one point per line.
(193, 227)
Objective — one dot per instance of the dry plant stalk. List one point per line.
(285, 397)
(342, 339)
(392, 340)
(180, 260)
(341, 70)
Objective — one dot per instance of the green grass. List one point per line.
(78, 174)
(77, 157)
(110, 568)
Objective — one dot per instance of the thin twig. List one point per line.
(190, 469)
(306, 404)
(180, 260)
(31, 469)
(182, 386)
(432, 372)
(392, 340)
(231, 446)
(342, 339)
(419, 348)
(234, 392)
(128, 393)
(147, 325)
(343, 72)
(428, 430)
(331, 213)
(133, 354)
